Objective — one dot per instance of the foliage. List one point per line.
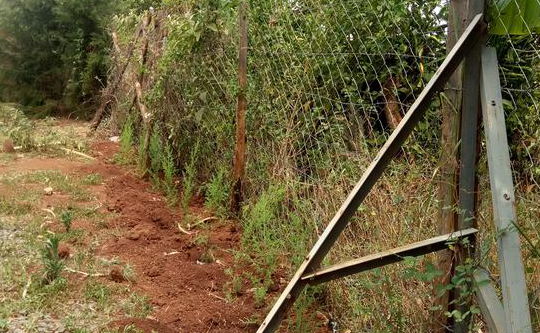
(53, 50)
(515, 17)
(15, 125)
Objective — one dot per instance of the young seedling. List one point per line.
(52, 263)
(67, 218)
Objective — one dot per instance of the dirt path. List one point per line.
(182, 273)
(186, 292)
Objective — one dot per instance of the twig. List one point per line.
(84, 273)
(218, 297)
(202, 221)
(183, 230)
(25, 291)
(171, 253)
(49, 211)
(77, 153)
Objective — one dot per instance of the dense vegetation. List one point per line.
(327, 79)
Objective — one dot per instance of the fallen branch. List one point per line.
(50, 211)
(25, 291)
(171, 253)
(71, 151)
(84, 273)
(218, 297)
(202, 221)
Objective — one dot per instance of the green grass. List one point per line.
(57, 180)
(92, 179)
(10, 207)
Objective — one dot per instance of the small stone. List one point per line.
(133, 235)
(48, 191)
(8, 146)
(115, 139)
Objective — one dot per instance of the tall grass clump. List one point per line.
(127, 139)
(169, 172)
(155, 156)
(190, 177)
(218, 192)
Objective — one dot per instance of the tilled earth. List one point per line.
(186, 290)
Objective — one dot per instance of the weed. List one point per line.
(10, 207)
(259, 295)
(52, 263)
(97, 292)
(137, 306)
(201, 240)
(207, 256)
(17, 127)
(128, 272)
(66, 217)
(233, 287)
(169, 171)
(218, 192)
(92, 179)
(190, 174)
(126, 143)
(156, 156)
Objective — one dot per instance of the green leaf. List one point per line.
(519, 17)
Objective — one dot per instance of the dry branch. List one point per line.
(110, 90)
(71, 151)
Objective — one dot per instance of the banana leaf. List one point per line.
(515, 17)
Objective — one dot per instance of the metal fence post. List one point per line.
(514, 289)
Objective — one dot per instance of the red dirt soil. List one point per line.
(187, 295)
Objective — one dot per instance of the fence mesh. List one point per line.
(328, 81)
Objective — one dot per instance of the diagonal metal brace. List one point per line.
(470, 37)
(387, 257)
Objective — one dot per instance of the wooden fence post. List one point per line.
(239, 163)
(449, 166)
(469, 144)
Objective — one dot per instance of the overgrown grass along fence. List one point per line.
(327, 82)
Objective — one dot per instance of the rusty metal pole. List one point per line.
(239, 163)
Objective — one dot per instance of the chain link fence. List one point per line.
(328, 80)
